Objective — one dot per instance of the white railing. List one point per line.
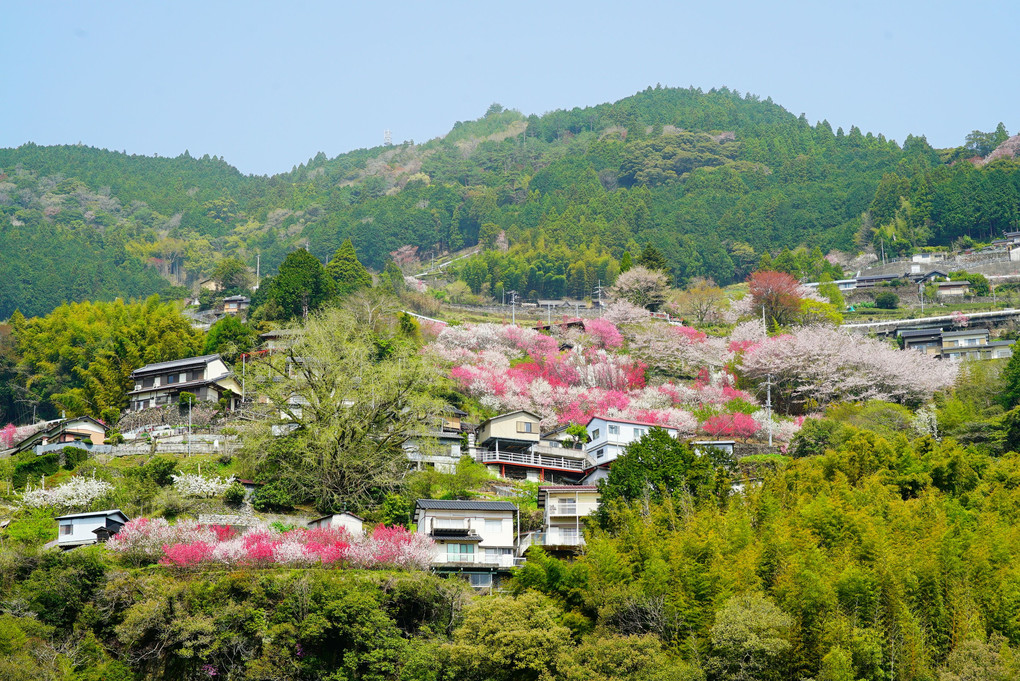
(557, 536)
(578, 509)
(554, 536)
(475, 559)
(533, 459)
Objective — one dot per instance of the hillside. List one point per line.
(713, 179)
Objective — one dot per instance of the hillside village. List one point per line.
(475, 409)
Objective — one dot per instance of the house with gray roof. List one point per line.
(206, 377)
(476, 539)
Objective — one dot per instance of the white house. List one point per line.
(79, 529)
(476, 538)
(564, 508)
(609, 437)
(348, 521)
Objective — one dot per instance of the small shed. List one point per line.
(80, 529)
(348, 521)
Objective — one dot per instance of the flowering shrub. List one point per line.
(188, 544)
(197, 485)
(416, 284)
(76, 493)
(731, 425)
(604, 334)
(7, 436)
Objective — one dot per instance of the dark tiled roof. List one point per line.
(456, 505)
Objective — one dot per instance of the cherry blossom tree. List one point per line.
(820, 365)
(642, 287)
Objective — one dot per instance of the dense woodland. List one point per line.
(714, 179)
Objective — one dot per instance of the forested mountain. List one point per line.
(713, 179)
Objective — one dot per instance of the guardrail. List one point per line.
(532, 459)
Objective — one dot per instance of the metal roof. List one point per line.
(187, 362)
(458, 505)
(91, 514)
(969, 332)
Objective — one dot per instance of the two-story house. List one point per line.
(478, 539)
(965, 344)
(206, 377)
(236, 305)
(513, 446)
(609, 437)
(564, 507)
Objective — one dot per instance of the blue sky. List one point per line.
(267, 85)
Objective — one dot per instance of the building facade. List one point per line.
(206, 377)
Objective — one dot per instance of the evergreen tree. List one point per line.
(626, 262)
(1011, 380)
(301, 284)
(346, 270)
(651, 258)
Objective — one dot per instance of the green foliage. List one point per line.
(271, 498)
(347, 272)
(511, 638)
(301, 285)
(30, 468)
(72, 457)
(79, 358)
(1011, 382)
(160, 470)
(978, 282)
(817, 435)
(887, 301)
(750, 640)
(233, 277)
(657, 466)
(651, 258)
(186, 399)
(32, 528)
(234, 496)
(230, 337)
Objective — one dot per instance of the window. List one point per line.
(65, 529)
(460, 553)
(600, 453)
(525, 427)
(451, 523)
(614, 430)
(480, 581)
(639, 433)
(595, 435)
(493, 526)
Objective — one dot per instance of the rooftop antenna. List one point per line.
(387, 138)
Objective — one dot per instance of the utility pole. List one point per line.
(768, 404)
(244, 356)
(189, 426)
(598, 292)
(513, 306)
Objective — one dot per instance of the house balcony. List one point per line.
(537, 456)
(554, 538)
(571, 510)
(478, 559)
